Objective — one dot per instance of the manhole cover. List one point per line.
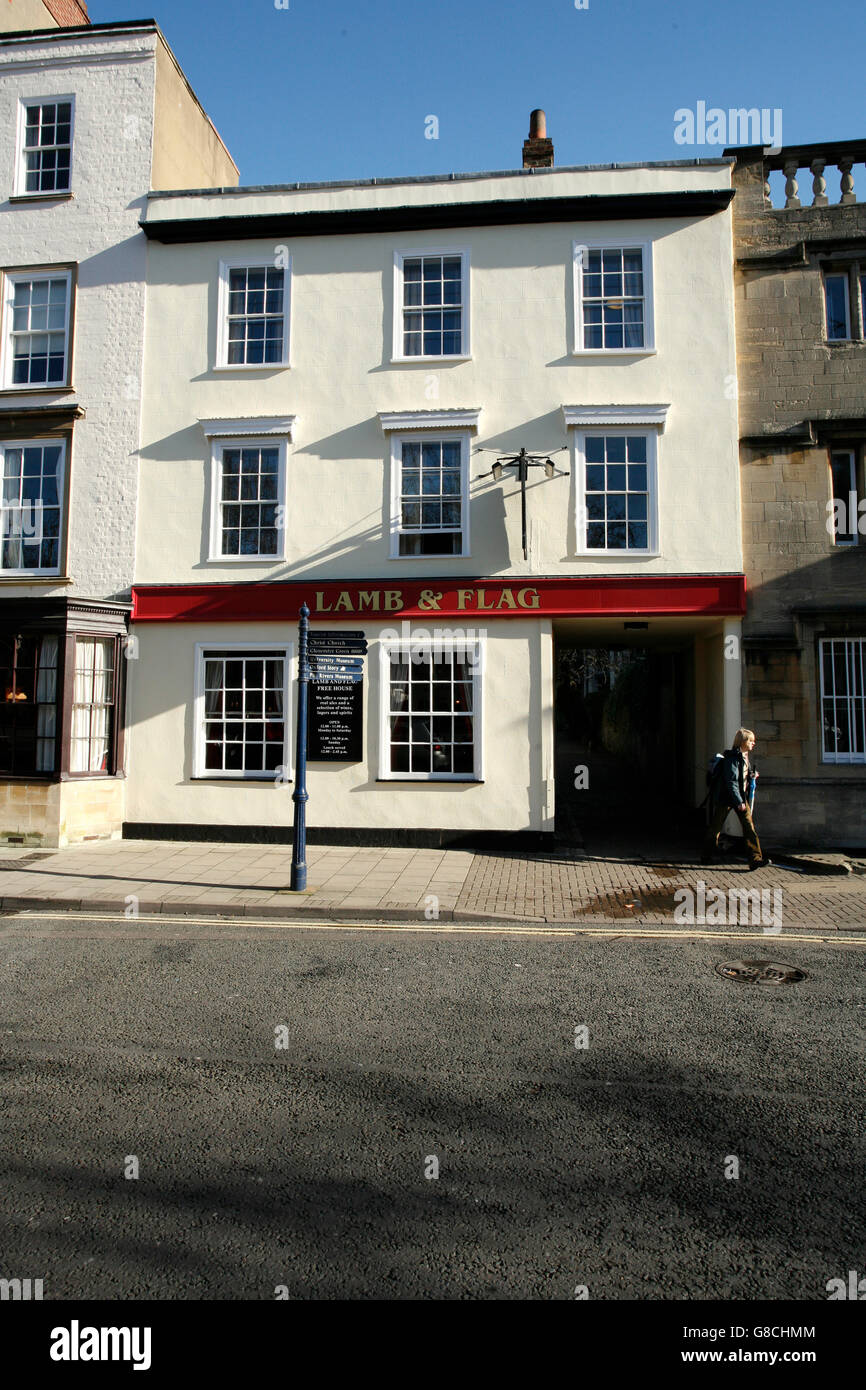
(761, 972)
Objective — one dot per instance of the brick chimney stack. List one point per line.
(68, 13)
(538, 150)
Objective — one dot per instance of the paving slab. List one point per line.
(567, 886)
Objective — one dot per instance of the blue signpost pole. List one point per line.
(299, 843)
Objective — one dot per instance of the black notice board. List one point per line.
(335, 726)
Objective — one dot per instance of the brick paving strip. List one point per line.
(345, 882)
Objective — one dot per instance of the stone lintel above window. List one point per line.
(429, 420)
(615, 416)
(250, 427)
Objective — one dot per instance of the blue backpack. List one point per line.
(714, 767)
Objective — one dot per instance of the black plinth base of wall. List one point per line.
(325, 835)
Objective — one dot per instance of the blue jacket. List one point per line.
(730, 787)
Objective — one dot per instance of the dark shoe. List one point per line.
(708, 859)
(761, 864)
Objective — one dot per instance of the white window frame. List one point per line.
(200, 771)
(81, 639)
(61, 500)
(840, 759)
(251, 262)
(845, 276)
(851, 455)
(397, 353)
(478, 647)
(427, 436)
(21, 190)
(10, 278)
(628, 428)
(608, 244)
(243, 441)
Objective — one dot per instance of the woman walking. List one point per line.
(730, 792)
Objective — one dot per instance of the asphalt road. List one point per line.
(304, 1166)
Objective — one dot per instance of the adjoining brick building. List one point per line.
(800, 282)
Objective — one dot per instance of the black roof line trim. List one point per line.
(406, 217)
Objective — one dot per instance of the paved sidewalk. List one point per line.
(568, 886)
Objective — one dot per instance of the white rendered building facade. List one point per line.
(330, 374)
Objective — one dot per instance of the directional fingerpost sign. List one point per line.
(336, 726)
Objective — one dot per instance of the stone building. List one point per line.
(801, 346)
(91, 117)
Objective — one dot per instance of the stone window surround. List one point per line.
(51, 424)
(200, 773)
(416, 253)
(649, 421)
(607, 244)
(9, 274)
(856, 450)
(856, 760)
(412, 425)
(474, 647)
(250, 262)
(256, 431)
(853, 266)
(20, 190)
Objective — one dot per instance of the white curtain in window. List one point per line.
(91, 713)
(84, 657)
(46, 696)
(101, 671)
(99, 739)
(80, 744)
(46, 682)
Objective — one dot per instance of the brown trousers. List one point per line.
(717, 819)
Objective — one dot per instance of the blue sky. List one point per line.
(332, 89)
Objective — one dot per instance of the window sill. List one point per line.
(845, 342)
(448, 357)
(614, 352)
(44, 778)
(446, 781)
(61, 196)
(464, 555)
(52, 390)
(246, 559)
(233, 781)
(617, 554)
(251, 367)
(92, 776)
(6, 578)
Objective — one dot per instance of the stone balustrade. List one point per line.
(800, 162)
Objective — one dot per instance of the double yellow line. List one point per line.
(462, 928)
